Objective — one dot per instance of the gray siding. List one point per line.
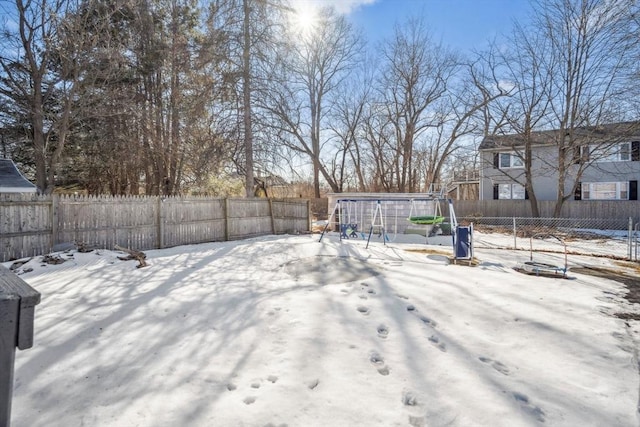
(546, 175)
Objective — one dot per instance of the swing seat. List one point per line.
(348, 230)
(427, 219)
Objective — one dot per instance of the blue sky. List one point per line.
(461, 24)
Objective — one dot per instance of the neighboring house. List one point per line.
(607, 159)
(465, 185)
(12, 181)
(275, 186)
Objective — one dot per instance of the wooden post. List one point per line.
(17, 306)
(9, 307)
(309, 222)
(226, 219)
(273, 222)
(160, 225)
(55, 218)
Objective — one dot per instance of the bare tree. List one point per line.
(379, 132)
(347, 119)
(529, 68)
(590, 55)
(416, 74)
(309, 75)
(566, 74)
(453, 116)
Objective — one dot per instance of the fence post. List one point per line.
(55, 204)
(273, 221)
(160, 226)
(8, 318)
(630, 238)
(635, 241)
(226, 219)
(17, 306)
(515, 244)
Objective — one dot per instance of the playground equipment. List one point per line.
(543, 269)
(363, 217)
(436, 218)
(463, 242)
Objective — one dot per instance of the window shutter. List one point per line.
(635, 151)
(633, 190)
(496, 160)
(578, 194)
(576, 154)
(496, 192)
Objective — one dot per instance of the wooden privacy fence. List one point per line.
(33, 225)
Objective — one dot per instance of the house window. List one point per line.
(510, 191)
(605, 191)
(510, 160)
(611, 153)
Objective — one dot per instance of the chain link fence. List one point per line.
(613, 238)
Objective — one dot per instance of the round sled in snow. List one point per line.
(542, 269)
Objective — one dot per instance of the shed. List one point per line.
(12, 181)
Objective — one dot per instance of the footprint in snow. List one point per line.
(231, 386)
(428, 321)
(417, 421)
(383, 331)
(498, 366)
(384, 371)
(272, 379)
(528, 407)
(378, 362)
(409, 399)
(249, 400)
(313, 384)
(424, 319)
(363, 309)
(436, 342)
(376, 359)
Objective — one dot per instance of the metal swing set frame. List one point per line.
(349, 229)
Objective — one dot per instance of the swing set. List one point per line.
(436, 218)
(350, 216)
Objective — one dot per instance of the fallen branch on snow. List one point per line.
(137, 255)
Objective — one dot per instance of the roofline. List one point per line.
(627, 130)
(18, 189)
(31, 188)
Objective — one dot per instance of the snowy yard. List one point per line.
(289, 331)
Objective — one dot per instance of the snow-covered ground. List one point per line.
(289, 331)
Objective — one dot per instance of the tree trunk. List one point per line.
(246, 97)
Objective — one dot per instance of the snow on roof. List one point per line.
(12, 181)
